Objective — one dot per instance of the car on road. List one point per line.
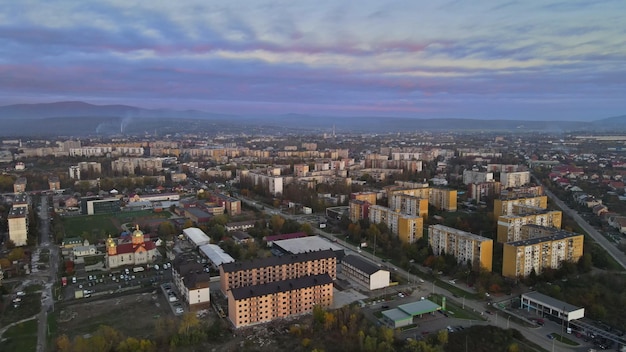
(550, 336)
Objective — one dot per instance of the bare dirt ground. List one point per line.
(134, 315)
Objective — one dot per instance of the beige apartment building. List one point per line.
(506, 206)
(514, 179)
(409, 205)
(286, 267)
(18, 225)
(408, 228)
(443, 199)
(279, 299)
(520, 258)
(463, 245)
(510, 226)
(19, 186)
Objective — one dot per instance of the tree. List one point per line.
(166, 229)
(63, 343)
(16, 254)
(442, 337)
(306, 228)
(277, 222)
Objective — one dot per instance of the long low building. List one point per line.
(364, 272)
(406, 313)
(196, 236)
(546, 306)
(279, 299)
(215, 254)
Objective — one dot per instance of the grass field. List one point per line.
(21, 337)
(105, 224)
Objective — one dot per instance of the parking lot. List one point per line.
(173, 298)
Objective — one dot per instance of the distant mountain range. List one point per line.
(75, 118)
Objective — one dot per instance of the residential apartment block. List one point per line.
(409, 205)
(232, 206)
(127, 166)
(471, 176)
(465, 246)
(266, 270)
(262, 303)
(358, 210)
(510, 226)
(19, 186)
(520, 258)
(514, 179)
(443, 199)
(369, 197)
(192, 282)
(18, 225)
(408, 228)
(506, 206)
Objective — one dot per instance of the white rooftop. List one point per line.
(197, 236)
(306, 244)
(216, 255)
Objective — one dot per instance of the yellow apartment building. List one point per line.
(521, 257)
(408, 228)
(443, 199)
(463, 245)
(369, 197)
(510, 226)
(506, 206)
(409, 205)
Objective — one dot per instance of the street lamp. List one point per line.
(507, 322)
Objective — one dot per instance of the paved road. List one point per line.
(47, 298)
(618, 255)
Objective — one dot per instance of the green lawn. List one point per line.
(107, 223)
(30, 305)
(21, 337)
(565, 340)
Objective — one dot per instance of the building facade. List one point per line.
(506, 206)
(443, 199)
(139, 250)
(520, 258)
(18, 225)
(266, 270)
(514, 179)
(465, 246)
(192, 283)
(408, 228)
(279, 299)
(409, 205)
(510, 226)
(364, 272)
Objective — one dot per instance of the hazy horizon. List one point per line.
(534, 60)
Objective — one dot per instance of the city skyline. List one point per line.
(532, 60)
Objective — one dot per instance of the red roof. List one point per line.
(126, 248)
(285, 236)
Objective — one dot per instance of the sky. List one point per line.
(533, 60)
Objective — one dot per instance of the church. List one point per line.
(139, 250)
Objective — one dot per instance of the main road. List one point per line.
(611, 249)
(47, 296)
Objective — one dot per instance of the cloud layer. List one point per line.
(474, 59)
